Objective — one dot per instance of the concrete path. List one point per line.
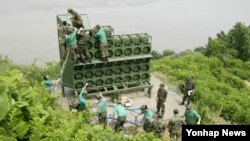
(139, 98)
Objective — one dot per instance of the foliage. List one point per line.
(235, 44)
(217, 85)
(157, 55)
(28, 112)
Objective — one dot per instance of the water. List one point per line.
(28, 27)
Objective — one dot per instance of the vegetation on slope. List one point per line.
(220, 70)
(28, 112)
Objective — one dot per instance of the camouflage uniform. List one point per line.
(76, 19)
(62, 31)
(147, 118)
(158, 127)
(121, 116)
(120, 122)
(174, 126)
(101, 36)
(102, 112)
(83, 38)
(161, 98)
(185, 88)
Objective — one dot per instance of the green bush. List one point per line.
(28, 112)
(216, 86)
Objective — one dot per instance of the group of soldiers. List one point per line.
(158, 125)
(75, 38)
(152, 122)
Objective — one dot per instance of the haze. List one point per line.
(28, 27)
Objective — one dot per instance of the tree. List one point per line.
(167, 52)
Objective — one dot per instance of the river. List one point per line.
(28, 27)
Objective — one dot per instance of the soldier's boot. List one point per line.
(182, 103)
(89, 60)
(104, 60)
(163, 112)
(157, 111)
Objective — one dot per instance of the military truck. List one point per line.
(127, 68)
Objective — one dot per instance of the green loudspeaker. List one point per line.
(127, 67)
(135, 39)
(126, 40)
(117, 41)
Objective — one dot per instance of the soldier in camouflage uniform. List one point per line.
(121, 116)
(158, 126)
(83, 38)
(147, 118)
(76, 19)
(102, 110)
(188, 89)
(72, 43)
(62, 31)
(161, 99)
(174, 126)
(101, 36)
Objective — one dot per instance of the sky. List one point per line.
(29, 31)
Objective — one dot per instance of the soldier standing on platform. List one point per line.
(83, 38)
(101, 36)
(76, 19)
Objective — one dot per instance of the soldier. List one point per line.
(72, 42)
(83, 38)
(121, 116)
(63, 30)
(161, 99)
(174, 126)
(101, 36)
(188, 89)
(102, 110)
(47, 83)
(83, 101)
(147, 118)
(191, 116)
(158, 126)
(76, 19)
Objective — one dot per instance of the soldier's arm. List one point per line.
(166, 95)
(157, 94)
(197, 116)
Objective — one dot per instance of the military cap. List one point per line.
(143, 107)
(70, 10)
(162, 85)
